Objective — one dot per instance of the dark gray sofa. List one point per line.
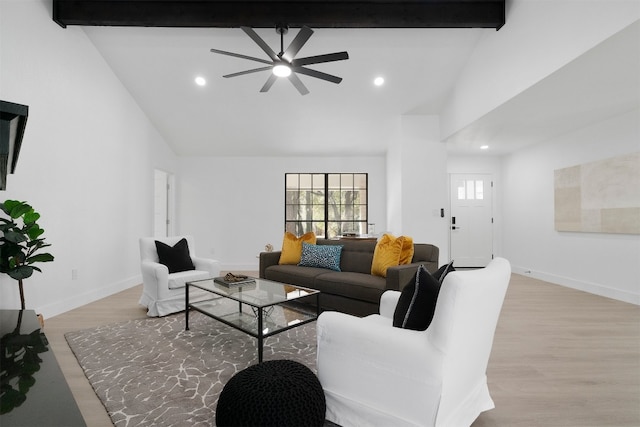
(353, 290)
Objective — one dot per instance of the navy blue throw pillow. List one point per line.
(175, 257)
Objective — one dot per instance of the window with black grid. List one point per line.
(329, 204)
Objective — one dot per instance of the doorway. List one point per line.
(471, 227)
(162, 204)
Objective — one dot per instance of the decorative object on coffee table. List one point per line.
(272, 393)
(231, 279)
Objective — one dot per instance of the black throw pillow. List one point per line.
(175, 257)
(443, 271)
(417, 302)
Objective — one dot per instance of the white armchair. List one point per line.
(374, 374)
(163, 292)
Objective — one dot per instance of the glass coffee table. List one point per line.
(260, 308)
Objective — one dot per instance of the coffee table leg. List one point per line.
(260, 339)
(186, 307)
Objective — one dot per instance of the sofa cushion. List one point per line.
(417, 302)
(358, 286)
(292, 247)
(321, 256)
(178, 280)
(356, 256)
(175, 257)
(301, 276)
(386, 254)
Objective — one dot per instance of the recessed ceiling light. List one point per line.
(200, 81)
(484, 147)
(378, 81)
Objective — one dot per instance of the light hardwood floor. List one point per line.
(560, 357)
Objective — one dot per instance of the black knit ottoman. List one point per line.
(272, 393)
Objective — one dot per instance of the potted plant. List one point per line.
(21, 240)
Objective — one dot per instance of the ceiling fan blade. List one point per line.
(298, 84)
(330, 57)
(238, 55)
(270, 81)
(297, 43)
(317, 74)
(241, 73)
(263, 45)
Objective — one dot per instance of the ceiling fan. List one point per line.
(283, 64)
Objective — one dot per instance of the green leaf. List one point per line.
(31, 217)
(22, 272)
(40, 258)
(34, 232)
(19, 209)
(38, 243)
(14, 237)
(9, 205)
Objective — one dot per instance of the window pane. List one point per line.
(292, 180)
(479, 190)
(348, 197)
(470, 190)
(360, 180)
(318, 181)
(461, 190)
(305, 180)
(291, 196)
(334, 181)
(333, 211)
(346, 180)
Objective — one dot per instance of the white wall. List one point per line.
(604, 264)
(86, 162)
(417, 169)
(539, 37)
(234, 206)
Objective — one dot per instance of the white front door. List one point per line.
(471, 228)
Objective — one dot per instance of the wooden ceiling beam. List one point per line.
(295, 13)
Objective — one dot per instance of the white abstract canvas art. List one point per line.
(599, 197)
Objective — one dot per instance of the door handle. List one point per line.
(454, 227)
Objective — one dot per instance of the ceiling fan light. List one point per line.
(282, 70)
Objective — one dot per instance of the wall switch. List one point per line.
(74, 274)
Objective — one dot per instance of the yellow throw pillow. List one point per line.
(386, 254)
(406, 255)
(292, 247)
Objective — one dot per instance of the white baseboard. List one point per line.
(85, 298)
(593, 288)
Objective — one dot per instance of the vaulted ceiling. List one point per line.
(157, 49)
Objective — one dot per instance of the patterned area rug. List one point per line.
(152, 372)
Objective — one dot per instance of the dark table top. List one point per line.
(33, 390)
